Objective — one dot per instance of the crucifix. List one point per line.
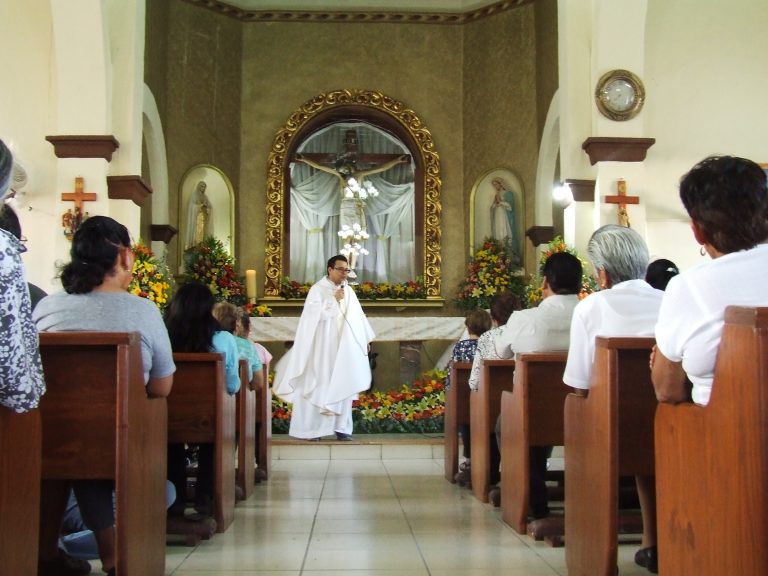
(621, 200)
(351, 167)
(72, 219)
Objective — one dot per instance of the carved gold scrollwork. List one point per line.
(277, 179)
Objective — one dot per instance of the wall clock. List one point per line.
(619, 95)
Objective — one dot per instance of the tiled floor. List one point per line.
(360, 514)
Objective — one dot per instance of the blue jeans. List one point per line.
(80, 542)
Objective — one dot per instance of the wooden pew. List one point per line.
(200, 411)
(20, 464)
(97, 422)
(608, 433)
(246, 433)
(712, 462)
(456, 414)
(484, 408)
(263, 427)
(532, 415)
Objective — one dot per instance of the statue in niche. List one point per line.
(199, 217)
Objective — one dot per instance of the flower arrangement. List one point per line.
(211, 264)
(533, 289)
(262, 310)
(291, 289)
(417, 408)
(151, 278)
(490, 271)
(410, 290)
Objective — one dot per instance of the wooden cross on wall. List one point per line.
(621, 200)
(72, 219)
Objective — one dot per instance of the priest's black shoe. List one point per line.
(343, 437)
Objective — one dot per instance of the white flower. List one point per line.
(348, 193)
(356, 226)
(363, 194)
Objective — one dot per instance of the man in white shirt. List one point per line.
(541, 329)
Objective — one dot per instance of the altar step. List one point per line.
(363, 447)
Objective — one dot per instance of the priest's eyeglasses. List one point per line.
(343, 270)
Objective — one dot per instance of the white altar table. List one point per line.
(387, 329)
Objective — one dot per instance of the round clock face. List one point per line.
(619, 95)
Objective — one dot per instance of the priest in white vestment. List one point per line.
(328, 364)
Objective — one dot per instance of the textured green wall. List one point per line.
(500, 103)
(225, 87)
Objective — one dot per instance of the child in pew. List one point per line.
(244, 331)
(477, 322)
(228, 317)
(95, 297)
(489, 347)
(77, 540)
(192, 328)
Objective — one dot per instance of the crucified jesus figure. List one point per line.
(353, 193)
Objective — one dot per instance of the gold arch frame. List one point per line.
(414, 134)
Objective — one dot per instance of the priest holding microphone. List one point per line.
(328, 364)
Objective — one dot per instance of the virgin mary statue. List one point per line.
(199, 217)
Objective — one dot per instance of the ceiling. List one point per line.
(434, 6)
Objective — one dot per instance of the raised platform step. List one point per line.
(362, 447)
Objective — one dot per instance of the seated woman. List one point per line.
(228, 318)
(95, 297)
(727, 200)
(192, 328)
(626, 305)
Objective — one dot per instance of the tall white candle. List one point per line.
(250, 284)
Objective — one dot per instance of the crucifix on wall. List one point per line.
(73, 218)
(621, 200)
(351, 168)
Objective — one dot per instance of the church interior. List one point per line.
(145, 99)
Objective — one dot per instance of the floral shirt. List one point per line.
(21, 371)
(488, 348)
(463, 351)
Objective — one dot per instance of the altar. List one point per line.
(409, 332)
(387, 329)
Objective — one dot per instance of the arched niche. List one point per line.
(385, 113)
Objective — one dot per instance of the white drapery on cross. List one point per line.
(390, 216)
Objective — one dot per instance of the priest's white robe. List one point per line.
(328, 364)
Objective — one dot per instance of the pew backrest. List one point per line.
(456, 414)
(98, 422)
(201, 411)
(712, 462)
(532, 415)
(608, 433)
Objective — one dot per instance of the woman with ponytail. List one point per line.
(95, 298)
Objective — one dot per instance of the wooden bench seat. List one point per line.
(98, 423)
(20, 464)
(200, 411)
(456, 415)
(264, 427)
(484, 408)
(712, 462)
(608, 434)
(532, 415)
(246, 433)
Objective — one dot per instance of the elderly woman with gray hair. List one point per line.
(626, 305)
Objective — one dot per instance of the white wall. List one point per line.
(27, 112)
(707, 85)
